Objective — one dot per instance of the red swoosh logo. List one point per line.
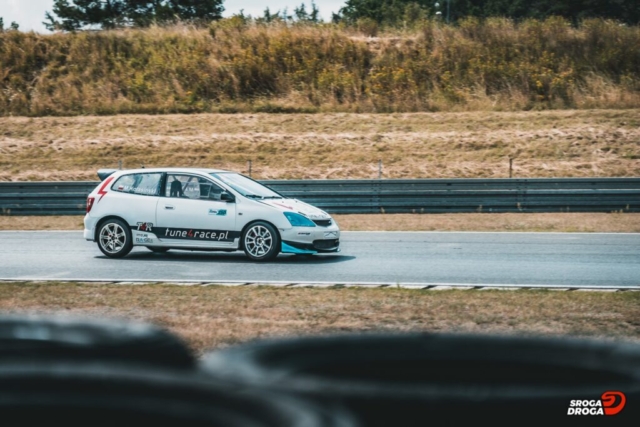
(102, 187)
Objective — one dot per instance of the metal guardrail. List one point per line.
(381, 196)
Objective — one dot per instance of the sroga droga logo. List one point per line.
(610, 403)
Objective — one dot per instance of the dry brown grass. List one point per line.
(217, 316)
(41, 222)
(561, 222)
(584, 143)
(495, 64)
(556, 222)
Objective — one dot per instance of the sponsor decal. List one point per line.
(197, 234)
(145, 226)
(150, 191)
(218, 212)
(143, 238)
(331, 234)
(610, 403)
(304, 234)
(101, 191)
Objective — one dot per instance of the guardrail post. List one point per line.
(249, 167)
(522, 195)
(379, 168)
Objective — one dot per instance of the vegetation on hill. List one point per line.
(244, 65)
(394, 12)
(71, 15)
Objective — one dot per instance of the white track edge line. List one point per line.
(466, 286)
(571, 233)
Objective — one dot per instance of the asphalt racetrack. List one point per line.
(431, 258)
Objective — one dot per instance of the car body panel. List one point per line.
(138, 210)
(186, 222)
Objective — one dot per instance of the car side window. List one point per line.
(191, 187)
(144, 184)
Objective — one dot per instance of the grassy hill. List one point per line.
(235, 67)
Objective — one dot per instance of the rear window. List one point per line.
(144, 184)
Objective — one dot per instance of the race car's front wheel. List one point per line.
(261, 241)
(114, 238)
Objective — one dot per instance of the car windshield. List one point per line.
(246, 186)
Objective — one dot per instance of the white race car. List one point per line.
(202, 209)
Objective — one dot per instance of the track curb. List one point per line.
(333, 285)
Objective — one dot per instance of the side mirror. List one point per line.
(227, 197)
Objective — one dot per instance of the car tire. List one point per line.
(261, 241)
(158, 250)
(45, 338)
(107, 372)
(114, 238)
(434, 377)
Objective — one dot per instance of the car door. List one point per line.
(192, 215)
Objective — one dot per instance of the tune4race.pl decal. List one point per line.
(195, 234)
(610, 403)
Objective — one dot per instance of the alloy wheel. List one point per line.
(112, 238)
(258, 241)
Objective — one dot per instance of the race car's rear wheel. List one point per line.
(261, 241)
(114, 238)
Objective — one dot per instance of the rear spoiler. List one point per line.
(104, 173)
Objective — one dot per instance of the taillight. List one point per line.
(90, 203)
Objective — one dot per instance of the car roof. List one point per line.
(198, 170)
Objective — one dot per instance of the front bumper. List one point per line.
(318, 246)
(311, 240)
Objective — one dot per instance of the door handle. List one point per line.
(169, 207)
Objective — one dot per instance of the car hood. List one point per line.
(294, 205)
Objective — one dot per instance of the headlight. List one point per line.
(298, 220)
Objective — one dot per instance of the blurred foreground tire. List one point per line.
(442, 380)
(84, 394)
(78, 372)
(48, 338)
